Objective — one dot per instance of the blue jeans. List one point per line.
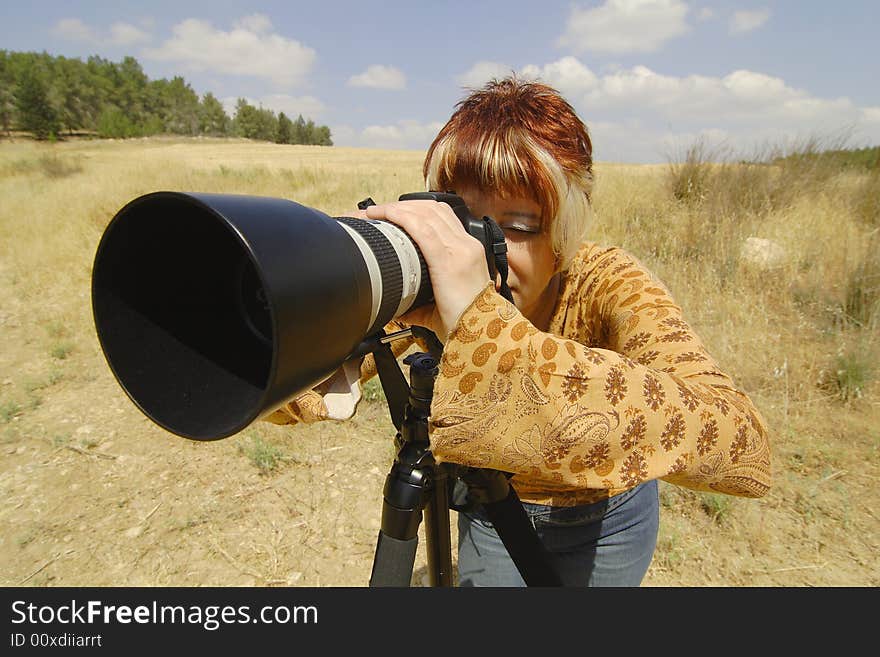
(608, 543)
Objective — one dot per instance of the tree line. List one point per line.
(50, 96)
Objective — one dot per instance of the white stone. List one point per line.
(762, 254)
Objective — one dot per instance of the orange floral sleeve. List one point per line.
(619, 391)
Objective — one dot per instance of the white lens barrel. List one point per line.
(398, 273)
(411, 269)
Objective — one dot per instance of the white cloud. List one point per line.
(634, 139)
(120, 34)
(871, 114)
(705, 14)
(568, 75)
(715, 142)
(343, 135)
(403, 135)
(748, 20)
(249, 49)
(740, 96)
(481, 72)
(634, 114)
(638, 115)
(379, 77)
(124, 34)
(623, 141)
(625, 26)
(73, 29)
(256, 23)
(309, 106)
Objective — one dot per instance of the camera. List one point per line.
(213, 310)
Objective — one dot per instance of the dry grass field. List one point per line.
(94, 494)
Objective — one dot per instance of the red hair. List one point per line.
(519, 138)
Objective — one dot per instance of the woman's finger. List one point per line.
(456, 260)
(418, 215)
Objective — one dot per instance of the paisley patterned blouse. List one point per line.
(619, 391)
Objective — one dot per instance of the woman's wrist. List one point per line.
(453, 322)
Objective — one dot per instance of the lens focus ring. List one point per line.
(389, 266)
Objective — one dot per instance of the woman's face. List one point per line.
(530, 257)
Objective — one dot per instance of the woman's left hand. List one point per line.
(456, 260)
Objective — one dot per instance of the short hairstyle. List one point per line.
(520, 138)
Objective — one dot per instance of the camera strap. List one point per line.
(393, 382)
(499, 251)
(391, 377)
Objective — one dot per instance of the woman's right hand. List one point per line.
(456, 260)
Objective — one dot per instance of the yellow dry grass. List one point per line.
(95, 494)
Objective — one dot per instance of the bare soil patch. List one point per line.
(95, 494)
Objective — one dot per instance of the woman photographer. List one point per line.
(591, 386)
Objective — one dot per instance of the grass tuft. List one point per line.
(8, 410)
(372, 390)
(61, 350)
(54, 167)
(264, 456)
(717, 507)
(853, 374)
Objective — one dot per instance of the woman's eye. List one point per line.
(521, 230)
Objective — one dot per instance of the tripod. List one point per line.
(418, 488)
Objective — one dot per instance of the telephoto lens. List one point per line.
(213, 310)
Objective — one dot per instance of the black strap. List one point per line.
(490, 491)
(499, 250)
(393, 382)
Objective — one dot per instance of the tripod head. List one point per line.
(423, 370)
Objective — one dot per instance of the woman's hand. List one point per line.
(456, 260)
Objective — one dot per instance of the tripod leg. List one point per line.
(415, 487)
(406, 493)
(394, 560)
(438, 542)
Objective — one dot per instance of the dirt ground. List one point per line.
(95, 494)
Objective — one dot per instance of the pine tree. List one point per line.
(212, 117)
(44, 94)
(245, 123)
(322, 136)
(299, 131)
(7, 98)
(285, 129)
(35, 114)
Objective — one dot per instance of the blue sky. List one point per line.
(648, 77)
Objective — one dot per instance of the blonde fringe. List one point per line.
(502, 167)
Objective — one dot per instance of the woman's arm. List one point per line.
(651, 404)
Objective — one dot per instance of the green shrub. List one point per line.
(114, 124)
(262, 454)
